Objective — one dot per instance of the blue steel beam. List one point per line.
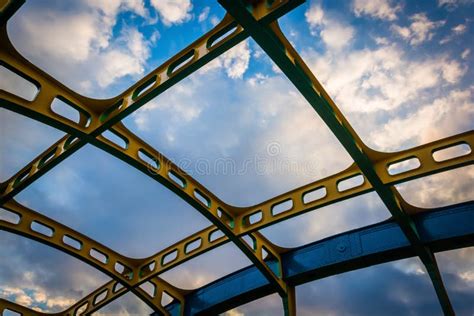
(279, 49)
(442, 229)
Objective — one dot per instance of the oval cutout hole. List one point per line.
(21, 177)
(202, 198)
(10, 217)
(70, 141)
(144, 88)
(72, 242)
(152, 266)
(117, 287)
(350, 183)
(82, 309)
(193, 245)
(403, 166)
(99, 256)
(120, 268)
(151, 162)
(100, 297)
(221, 36)
(254, 218)
(46, 158)
(181, 63)
(116, 138)
(42, 229)
(17, 84)
(69, 111)
(169, 257)
(9, 312)
(166, 299)
(149, 288)
(225, 217)
(282, 207)
(215, 235)
(264, 253)
(451, 152)
(314, 195)
(176, 178)
(249, 240)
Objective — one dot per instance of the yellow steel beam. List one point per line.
(205, 237)
(96, 116)
(122, 269)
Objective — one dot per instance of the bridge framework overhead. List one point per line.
(411, 231)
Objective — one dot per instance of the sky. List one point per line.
(401, 72)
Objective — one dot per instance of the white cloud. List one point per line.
(465, 53)
(95, 58)
(381, 9)
(445, 116)
(315, 14)
(381, 40)
(380, 79)
(214, 20)
(441, 189)
(173, 11)
(420, 30)
(452, 4)
(32, 296)
(334, 33)
(128, 58)
(235, 62)
(459, 29)
(204, 14)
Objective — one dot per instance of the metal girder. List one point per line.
(97, 116)
(279, 49)
(441, 229)
(207, 242)
(123, 270)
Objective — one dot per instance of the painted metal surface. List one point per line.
(257, 20)
(442, 229)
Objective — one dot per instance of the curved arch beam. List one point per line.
(96, 116)
(33, 225)
(439, 228)
(204, 236)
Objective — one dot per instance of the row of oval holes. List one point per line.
(148, 287)
(71, 112)
(188, 248)
(182, 62)
(97, 299)
(44, 160)
(29, 90)
(47, 231)
(356, 181)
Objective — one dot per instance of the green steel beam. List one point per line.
(281, 52)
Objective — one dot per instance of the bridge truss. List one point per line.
(411, 231)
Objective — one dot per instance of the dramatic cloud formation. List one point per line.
(384, 64)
